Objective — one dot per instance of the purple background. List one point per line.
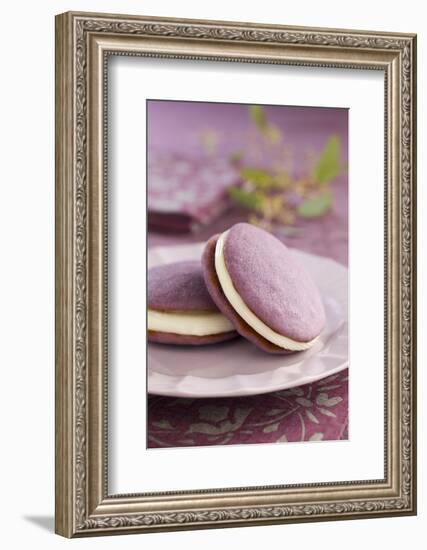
(176, 125)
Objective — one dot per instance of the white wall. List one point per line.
(26, 271)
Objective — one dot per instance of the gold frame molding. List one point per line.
(83, 43)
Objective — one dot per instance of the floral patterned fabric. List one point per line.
(312, 412)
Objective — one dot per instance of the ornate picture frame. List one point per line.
(83, 43)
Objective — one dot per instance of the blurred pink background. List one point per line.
(175, 130)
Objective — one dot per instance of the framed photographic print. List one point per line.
(235, 274)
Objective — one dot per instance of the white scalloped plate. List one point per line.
(238, 368)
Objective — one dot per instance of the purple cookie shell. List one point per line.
(189, 340)
(273, 283)
(178, 287)
(215, 290)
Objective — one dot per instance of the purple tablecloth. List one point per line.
(312, 412)
(317, 411)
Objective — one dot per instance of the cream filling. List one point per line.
(242, 309)
(200, 323)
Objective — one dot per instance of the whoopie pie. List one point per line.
(180, 309)
(262, 288)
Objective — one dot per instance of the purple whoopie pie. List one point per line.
(180, 309)
(259, 285)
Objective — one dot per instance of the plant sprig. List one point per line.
(267, 192)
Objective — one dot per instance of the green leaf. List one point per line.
(327, 167)
(248, 199)
(271, 133)
(257, 114)
(316, 206)
(260, 178)
(264, 180)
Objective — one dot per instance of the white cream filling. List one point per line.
(200, 323)
(242, 309)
